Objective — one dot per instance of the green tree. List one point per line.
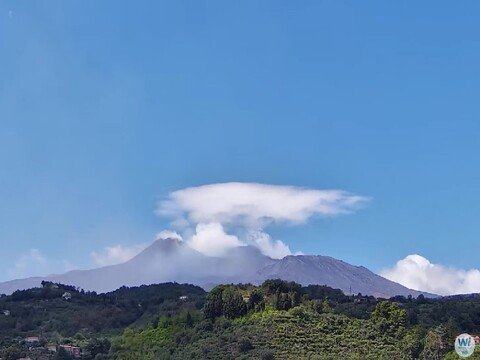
(450, 331)
(256, 301)
(267, 355)
(95, 347)
(326, 308)
(433, 348)
(244, 345)
(233, 304)
(62, 354)
(214, 303)
(189, 320)
(390, 317)
(11, 353)
(412, 343)
(283, 301)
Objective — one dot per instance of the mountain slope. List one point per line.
(173, 260)
(324, 270)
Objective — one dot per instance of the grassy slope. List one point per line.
(286, 335)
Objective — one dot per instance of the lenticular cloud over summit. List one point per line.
(210, 211)
(253, 204)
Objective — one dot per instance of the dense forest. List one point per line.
(277, 320)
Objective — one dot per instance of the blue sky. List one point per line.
(107, 107)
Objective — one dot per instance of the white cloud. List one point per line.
(276, 249)
(34, 263)
(28, 264)
(212, 240)
(112, 255)
(213, 209)
(256, 204)
(168, 234)
(68, 266)
(418, 273)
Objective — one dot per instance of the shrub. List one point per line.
(267, 355)
(244, 345)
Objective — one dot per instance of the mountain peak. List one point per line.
(171, 259)
(159, 248)
(168, 242)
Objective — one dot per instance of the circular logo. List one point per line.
(464, 345)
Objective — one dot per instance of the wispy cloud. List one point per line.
(112, 255)
(168, 234)
(28, 264)
(68, 266)
(418, 273)
(34, 263)
(210, 212)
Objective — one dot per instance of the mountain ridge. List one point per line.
(173, 260)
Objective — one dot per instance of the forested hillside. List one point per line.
(85, 319)
(277, 320)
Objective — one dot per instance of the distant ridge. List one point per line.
(172, 260)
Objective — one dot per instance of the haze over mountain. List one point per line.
(173, 260)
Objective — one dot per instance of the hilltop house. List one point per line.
(183, 298)
(49, 285)
(360, 300)
(32, 339)
(74, 351)
(67, 296)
